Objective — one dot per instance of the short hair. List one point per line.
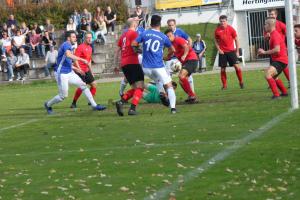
(174, 84)
(69, 33)
(155, 20)
(275, 10)
(223, 17)
(297, 26)
(171, 20)
(88, 33)
(168, 31)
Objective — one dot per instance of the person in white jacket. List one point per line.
(22, 64)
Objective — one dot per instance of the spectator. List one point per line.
(24, 29)
(6, 44)
(37, 29)
(83, 28)
(11, 64)
(76, 19)
(71, 26)
(50, 59)
(22, 64)
(98, 14)
(11, 21)
(4, 28)
(18, 41)
(12, 31)
(50, 28)
(101, 30)
(87, 15)
(139, 15)
(110, 18)
(35, 44)
(199, 47)
(47, 42)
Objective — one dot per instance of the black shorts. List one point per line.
(191, 66)
(279, 66)
(133, 73)
(228, 57)
(88, 77)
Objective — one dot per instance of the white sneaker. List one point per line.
(112, 33)
(10, 80)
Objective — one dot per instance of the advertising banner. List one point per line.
(240, 5)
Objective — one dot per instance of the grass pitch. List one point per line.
(91, 155)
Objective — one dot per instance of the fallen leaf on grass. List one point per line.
(124, 189)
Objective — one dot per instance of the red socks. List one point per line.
(138, 94)
(280, 85)
(186, 87)
(224, 78)
(77, 94)
(286, 73)
(93, 91)
(273, 86)
(238, 72)
(128, 95)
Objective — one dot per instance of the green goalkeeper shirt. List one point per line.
(152, 96)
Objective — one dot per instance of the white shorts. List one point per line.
(63, 81)
(168, 65)
(159, 75)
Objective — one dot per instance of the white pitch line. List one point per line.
(222, 155)
(18, 125)
(146, 146)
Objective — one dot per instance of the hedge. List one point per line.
(59, 12)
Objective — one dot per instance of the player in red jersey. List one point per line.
(225, 37)
(297, 38)
(281, 29)
(131, 68)
(279, 59)
(189, 59)
(84, 51)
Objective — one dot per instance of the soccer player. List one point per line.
(64, 74)
(131, 69)
(281, 29)
(225, 37)
(154, 42)
(178, 32)
(279, 59)
(84, 51)
(297, 38)
(152, 94)
(189, 59)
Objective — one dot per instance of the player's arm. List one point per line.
(77, 68)
(275, 50)
(218, 46)
(75, 58)
(170, 53)
(190, 41)
(117, 55)
(237, 44)
(186, 51)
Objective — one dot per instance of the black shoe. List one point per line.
(89, 104)
(276, 97)
(132, 112)
(289, 85)
(164, 100)
(73, 105)
(173, 111)
(191, 100)
(119, 106)
(224, 88)
(284, 95)
(242, 85)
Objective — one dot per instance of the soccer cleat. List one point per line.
(48, 109)
(276, 97)
(289, 84)
(99, 107)
(173, 111)
(191, 100)
(73, 105)
(119, 107)
(132, 112)
(284, 95)
(242, 85)
(224, 88)
(164, 100)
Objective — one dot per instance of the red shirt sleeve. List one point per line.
(133, 36)
(78, 51)
(120, 42)
(180, 41)
(233, 33)
(275, 40)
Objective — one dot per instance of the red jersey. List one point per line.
(84, 51)
(128, 56)
(225, 38)
(297, 43)
(178, 44)
(275, 40)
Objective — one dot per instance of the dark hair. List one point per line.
(168, 31)
(171, 20)
(174, 84)
(297, 26)
(69, 33)
(223, 17)
(155, 20)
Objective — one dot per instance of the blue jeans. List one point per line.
(37, 49)
(48, 66)
(10, 71)
(3, 50)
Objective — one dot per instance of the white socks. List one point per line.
(172, 97)
(54, 100)
(89, 96)
(191, 81)
(122, 87)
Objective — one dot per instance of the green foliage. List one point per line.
(59, 12)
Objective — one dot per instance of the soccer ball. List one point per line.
(176, 66)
